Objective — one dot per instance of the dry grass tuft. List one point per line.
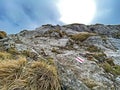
(23, 75)
(82, 36)
(5, 55)
(101, 57)
(89, 82)
(2, 34)
(93, 48)
(10, 72)
(43, 77)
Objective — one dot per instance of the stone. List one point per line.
(73, 75)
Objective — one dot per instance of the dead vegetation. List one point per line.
(21, 74)
(82, 36)
(2, 34)
(89, 83)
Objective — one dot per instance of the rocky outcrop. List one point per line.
(99, 71)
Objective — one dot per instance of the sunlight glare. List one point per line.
(77, 11)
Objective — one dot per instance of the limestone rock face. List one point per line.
(100, 52)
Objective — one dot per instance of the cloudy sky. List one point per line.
(16, 15)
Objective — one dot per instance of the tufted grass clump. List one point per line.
(28, 53)
(11, 74)
(5, 56)
(13, 51)
(23, 75)
(43, 77)
(93, 48)
(101, 57)
(110, 61)
(89, 83)
(82, 36)
(54, 50)
(2, 34)
(115, 69)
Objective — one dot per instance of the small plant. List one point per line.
(106, 66)
(5, 56)
(110, 61)
(115, 70)
(89, 57)
(101, 57)
(2, 34)
(81, 36)
(12, 51)
(55, 51)
(29, 54)
(89, 83)
(93, 48)
(104, 38)
(2, 47)
(49, 61)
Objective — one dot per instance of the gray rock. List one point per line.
(117, 80)
(21, 47)
(73, 75)
(59, 42)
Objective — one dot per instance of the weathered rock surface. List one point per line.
(56, 42)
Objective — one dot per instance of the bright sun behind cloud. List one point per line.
(77, 11)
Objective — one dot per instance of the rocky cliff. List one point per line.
(98, 45)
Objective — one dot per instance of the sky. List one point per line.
(17, 15)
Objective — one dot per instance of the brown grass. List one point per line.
(2, 34)
(13, 51)
(82, 36)
(5, 55)
(93, 48)
(89, 83)
(54, 50)
(101, 57)
(23, 75)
